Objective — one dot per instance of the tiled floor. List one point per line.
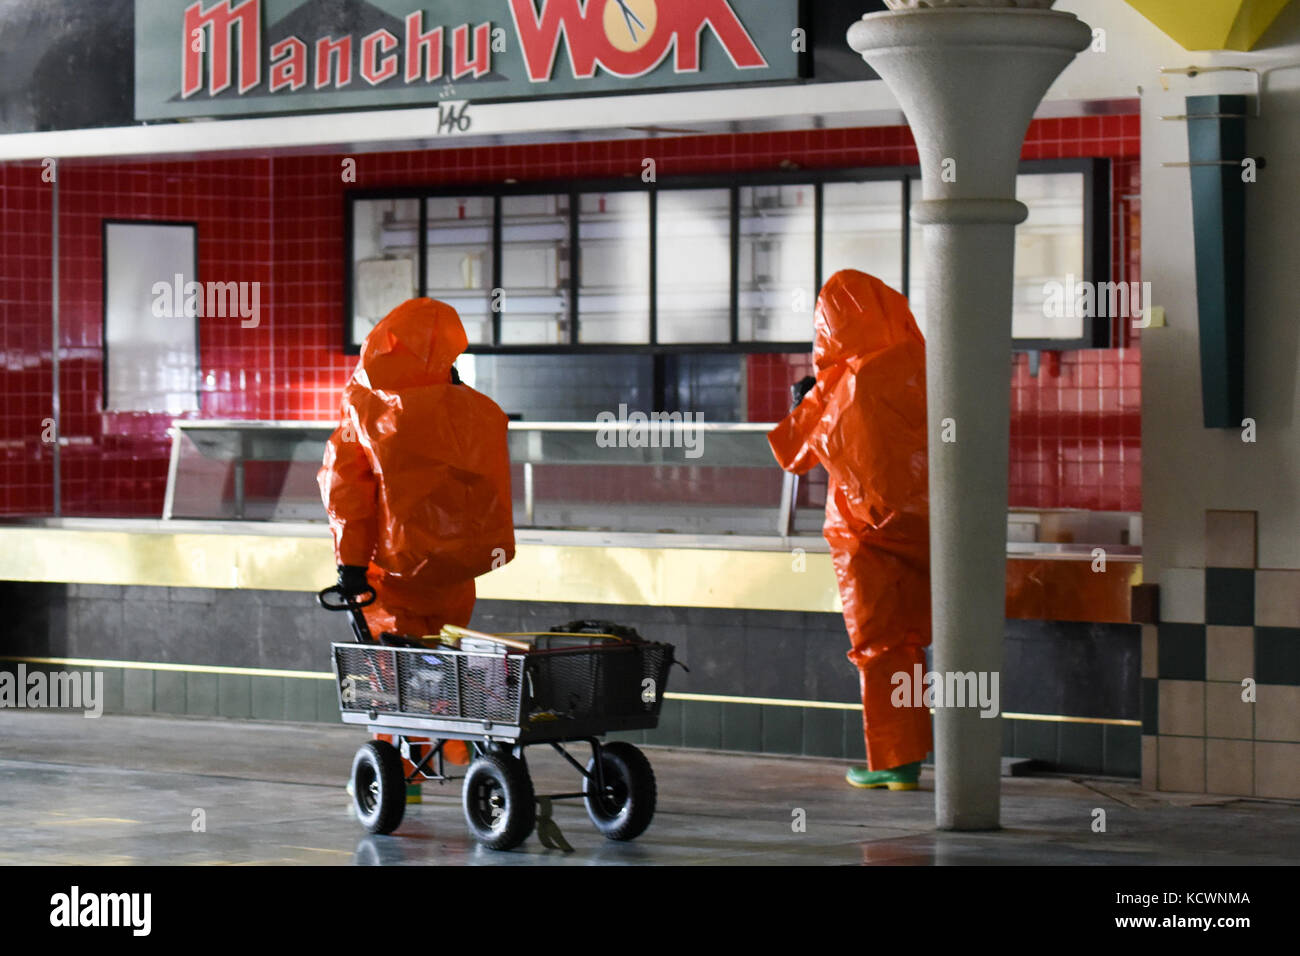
(126, 790)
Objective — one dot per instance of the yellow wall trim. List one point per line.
(580, 574)
(759, 580)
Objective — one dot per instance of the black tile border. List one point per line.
(1230, 597)
(1150, 706)
(1180, 652)
(1277, 655)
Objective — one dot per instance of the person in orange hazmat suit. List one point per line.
(416, 478)
(864, 420)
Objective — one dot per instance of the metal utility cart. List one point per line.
(502, 694)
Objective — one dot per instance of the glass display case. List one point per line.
(245, 471)
(777, 248)
(723, 262)
(1050, 245)
(861, 223)
(385, 250)
(614, 268)
(458, 264)
(693, 293)
(627, 475)
(535, 260)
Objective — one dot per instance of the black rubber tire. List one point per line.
(631, 806)
(497, 796)
(379, 787)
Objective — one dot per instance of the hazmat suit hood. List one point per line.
(414, 345)
(858, 316)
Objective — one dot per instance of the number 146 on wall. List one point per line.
(454, 117)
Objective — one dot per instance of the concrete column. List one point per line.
(968, 78)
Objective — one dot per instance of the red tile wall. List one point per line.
(278, 221)
(115, 463)
(26, 374)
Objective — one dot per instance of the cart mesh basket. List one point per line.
(614, 680)
(611, 681)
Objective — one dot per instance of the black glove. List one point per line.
(799, 389)
(352, 580)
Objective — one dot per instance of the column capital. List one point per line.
(968, 80)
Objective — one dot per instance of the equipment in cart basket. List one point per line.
(502, 694)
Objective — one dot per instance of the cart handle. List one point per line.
(347, 602)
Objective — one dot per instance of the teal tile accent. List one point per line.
(855, 743)
(823, 732)
(327, 701)
(1036, 739)
(1122, 751)
(137, 691)
(669, 731)
(1080, 747)
(782, 729)
(267, 697)
(169, 692)
(1219, 242)
(234, 695)
(202, 695)
(702, 724)
(300, 699)
(742, 727)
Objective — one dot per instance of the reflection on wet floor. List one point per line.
(186, 791)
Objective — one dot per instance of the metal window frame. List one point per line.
(1096, 172)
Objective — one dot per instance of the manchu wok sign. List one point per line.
(243, 57)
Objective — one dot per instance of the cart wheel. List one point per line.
(628, 805)
(500, 808)
(378, 787)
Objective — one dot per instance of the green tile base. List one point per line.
(704, 725)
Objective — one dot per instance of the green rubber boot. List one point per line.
(896, 778)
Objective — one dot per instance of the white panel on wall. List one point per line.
(150, 338)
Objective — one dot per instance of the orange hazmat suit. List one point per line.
(865, 421)
(416, 478)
